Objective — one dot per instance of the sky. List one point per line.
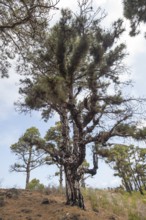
(13, 124)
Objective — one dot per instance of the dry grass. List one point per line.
(120, 205)
(100, 205)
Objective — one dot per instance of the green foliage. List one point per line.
(129, 163)
(35, 184)
(47, 88)
(66, 64)
(140, 134)
(54, 134)
(27, 151)
(54, 138)
(126, 129)
(135, 11)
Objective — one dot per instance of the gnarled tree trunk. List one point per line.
(73, 192)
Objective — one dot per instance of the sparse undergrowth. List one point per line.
(120, 204)
(49, 204)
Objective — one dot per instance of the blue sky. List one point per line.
(13, 124)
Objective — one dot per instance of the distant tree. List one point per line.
(129, 163)
(54, 138)
(140, 135)
(76, 72)
(27, 152)
(117, 158)
(135, 12)
(20, 23)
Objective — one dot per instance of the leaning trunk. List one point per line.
(73, 192)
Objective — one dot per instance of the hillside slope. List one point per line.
(17, 204)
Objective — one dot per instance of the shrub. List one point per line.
(35, 184)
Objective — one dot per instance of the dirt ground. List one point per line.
(16, 204)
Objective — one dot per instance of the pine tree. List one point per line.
(129, 164)
(29, 156)
(75, 72)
